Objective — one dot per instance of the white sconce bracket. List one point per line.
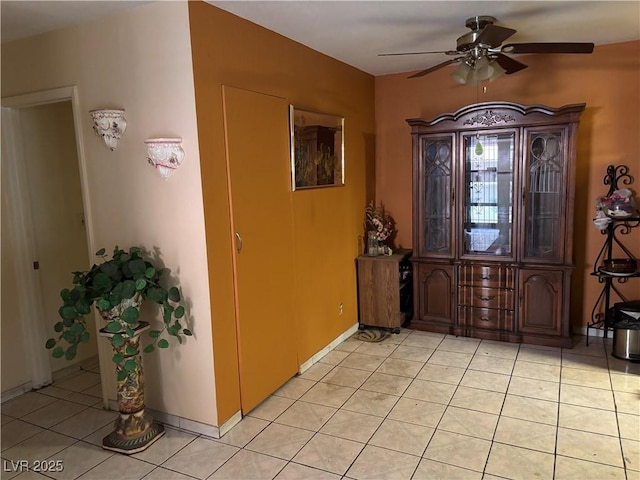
(109, 124)
(165, 154)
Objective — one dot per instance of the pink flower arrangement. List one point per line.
(619, 203)
(379, 222)
(623, 195)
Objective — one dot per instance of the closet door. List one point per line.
(257, 136)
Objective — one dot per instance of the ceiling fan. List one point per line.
(482, 56)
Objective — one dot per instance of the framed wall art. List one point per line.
(317, 149)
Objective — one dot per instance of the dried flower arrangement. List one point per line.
(378, 221)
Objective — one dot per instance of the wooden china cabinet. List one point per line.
(493, 201)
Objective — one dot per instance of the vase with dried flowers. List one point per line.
(380, 227)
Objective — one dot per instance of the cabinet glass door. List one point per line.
(488, 185)
(434, 236)
(546, 184)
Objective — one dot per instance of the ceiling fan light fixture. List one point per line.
(462, 73)
(497, 71)
(483, 68)
(473, 78)
(478, 70)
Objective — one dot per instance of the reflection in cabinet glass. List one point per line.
(497, 263)
(546, 171)
(435, 222)
(488, 173)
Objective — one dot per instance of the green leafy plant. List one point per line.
(117, 287)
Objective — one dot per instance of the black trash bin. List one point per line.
(626, 331)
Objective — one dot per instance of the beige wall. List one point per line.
(139, 60)
(608, 81)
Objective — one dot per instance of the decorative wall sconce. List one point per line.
(109, 124)
(165, 154)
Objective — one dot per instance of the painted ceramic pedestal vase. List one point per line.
(135, 429)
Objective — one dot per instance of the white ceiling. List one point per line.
(24, 18)
(356, 31)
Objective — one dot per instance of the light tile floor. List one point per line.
(415, 406)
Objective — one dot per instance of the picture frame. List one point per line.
(317, 149)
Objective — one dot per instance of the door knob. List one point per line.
(238, 243)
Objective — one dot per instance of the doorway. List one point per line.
(48, 231)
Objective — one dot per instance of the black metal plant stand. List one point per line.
(602, 315)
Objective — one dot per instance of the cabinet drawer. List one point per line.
(480, 297)
(488, 276)
(487, 318)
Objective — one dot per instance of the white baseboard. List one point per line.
(593, 332)
(56, 376)
(85, 365)
(185, 424)
(229, 424)
(338, 340)
(15, 392)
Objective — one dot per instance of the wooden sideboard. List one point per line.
(384, 290)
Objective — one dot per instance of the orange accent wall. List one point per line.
(228, 50)
(608, 81)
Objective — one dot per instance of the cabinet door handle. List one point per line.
(485, 277)
(524, 196)
(484, 319)
(238, 243)
(486, 299)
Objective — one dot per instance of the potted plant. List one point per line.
(117, 287)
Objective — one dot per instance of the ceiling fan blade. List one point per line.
(509, 64)
(494, 35)
(549, 47)
(448, 52)
(437, 67)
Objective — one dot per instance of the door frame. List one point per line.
(28, 286)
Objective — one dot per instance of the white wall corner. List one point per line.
(184, 424)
